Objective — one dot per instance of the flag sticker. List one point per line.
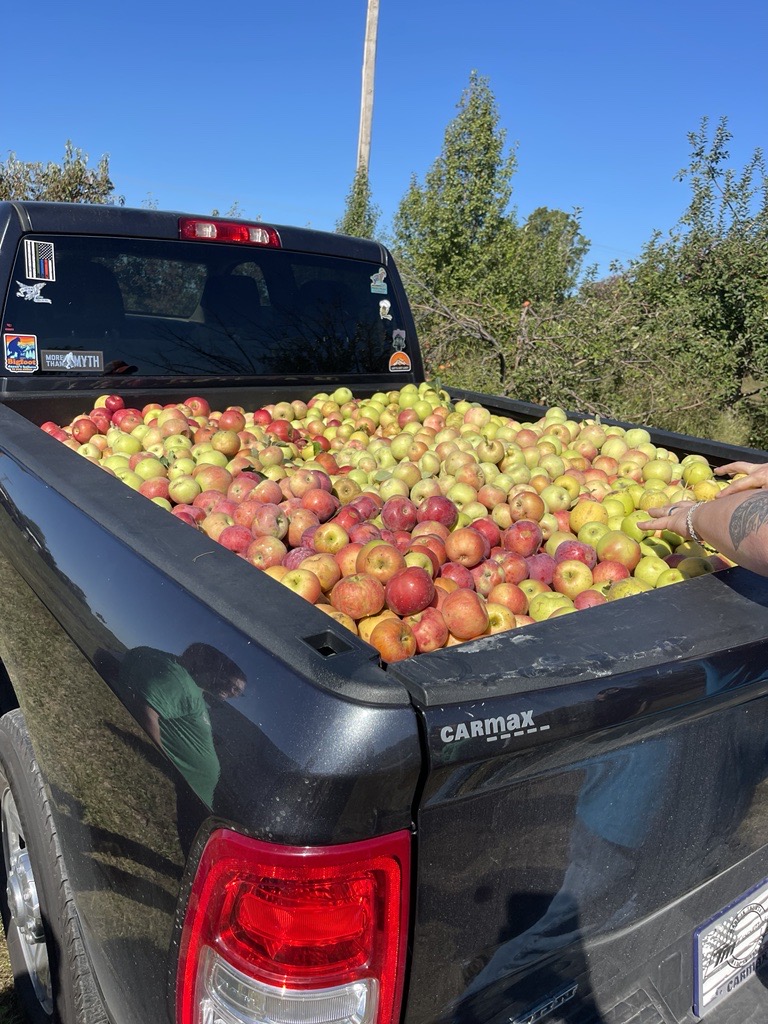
(39, 260)
(20, 352)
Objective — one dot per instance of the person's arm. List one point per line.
(149, 720)
(755, 476)
(735, 524)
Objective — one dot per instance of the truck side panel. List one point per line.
(299, 762)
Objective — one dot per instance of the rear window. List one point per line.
(161, 308)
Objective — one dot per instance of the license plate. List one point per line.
(729, 948)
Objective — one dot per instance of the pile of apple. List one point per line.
(414, 522)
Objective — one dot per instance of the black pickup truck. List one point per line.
(570, 827)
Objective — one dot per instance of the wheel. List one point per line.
(53, 978)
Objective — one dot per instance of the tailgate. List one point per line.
(596, 797)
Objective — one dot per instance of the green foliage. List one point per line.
(71, 181)
(360, 214)
(457, 223)
(678, 339)
(468, 262)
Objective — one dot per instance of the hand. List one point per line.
(756, 476)
(669, 517)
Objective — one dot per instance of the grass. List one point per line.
(10, 1012)
(101, 789)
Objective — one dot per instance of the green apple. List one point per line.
(627, 588)
(670, 576)
(649, 568)
(542, 605)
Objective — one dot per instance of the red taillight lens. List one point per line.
(198, 229)
(295, 929)
(304, 929)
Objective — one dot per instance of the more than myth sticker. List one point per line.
(20, 353)
(82, 362)
(39, 260)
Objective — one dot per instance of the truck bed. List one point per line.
(585, 793)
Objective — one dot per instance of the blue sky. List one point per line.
(203, 105)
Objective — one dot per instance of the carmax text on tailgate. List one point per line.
(496, 728)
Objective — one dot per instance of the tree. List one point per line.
(714, 263)
(71, 181)
(360, 214)
(451, 227)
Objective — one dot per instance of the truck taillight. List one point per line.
(295, 935)
(200, 229)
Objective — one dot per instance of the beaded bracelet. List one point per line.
(689, 523)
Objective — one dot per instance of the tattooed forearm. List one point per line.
(748, 518)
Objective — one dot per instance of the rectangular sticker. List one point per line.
(20, 353)
(378, 284)
(81, 362)
(39, 260)
(729, 948)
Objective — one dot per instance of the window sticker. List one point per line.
(399, 362)
(20, 353)
(39, 260)
(378, 284)
(81, 362)
(31, 292)
(384, 307)
(398, 339)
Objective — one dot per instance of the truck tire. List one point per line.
(53, 978)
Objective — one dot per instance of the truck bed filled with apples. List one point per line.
(416, 522)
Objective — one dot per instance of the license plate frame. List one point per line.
(729, 948)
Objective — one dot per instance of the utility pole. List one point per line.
(366, 100)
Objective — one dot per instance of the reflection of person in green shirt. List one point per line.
(169, 704)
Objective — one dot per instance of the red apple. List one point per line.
(618, 547)
(232, 419)
(576, 549)
(236, 538)
(588, 598)
(515, 566)
(510, 595)
(325, 567)
(466, 546)
(358, 595)
(429, 629)
(269, 520)
(609, 571)
(523, 537)
(465, 614)
(459, 574)
(380, 560)
(300, 520)
(438, 509)
(347, 558)
(399, 513)
(541, 566)
(113, 402)
(486, 576)
(198, 406)
(489, 530)
(409, 591)
(394, 640)
(304, 583)
(266, 551)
